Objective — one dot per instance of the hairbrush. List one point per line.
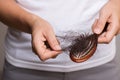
(82, 46)
(85, 46)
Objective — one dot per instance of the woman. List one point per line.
(38, 21)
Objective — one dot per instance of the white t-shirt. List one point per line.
(65, 16)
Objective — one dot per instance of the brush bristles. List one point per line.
(82, 45)
(83, 48)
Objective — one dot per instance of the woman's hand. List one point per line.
(16, 17)
(109, 13)
(41, 32)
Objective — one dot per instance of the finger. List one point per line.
(94, 24)
(106, 37)
(38, 44)
(37, 40)
(41, 49)
(103, 17)
(48, 54)
(52, 40)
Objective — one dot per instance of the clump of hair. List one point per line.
(83, 47)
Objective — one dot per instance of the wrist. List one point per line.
(28, 20)
(35, 22)
(31, 21)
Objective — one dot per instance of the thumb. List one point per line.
(52, 41)
(103, 17)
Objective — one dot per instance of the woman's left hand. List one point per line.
(109, 13)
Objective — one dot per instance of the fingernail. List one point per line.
(57, 47)
(97, 30)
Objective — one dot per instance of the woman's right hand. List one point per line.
(18, 18)
(42, 31)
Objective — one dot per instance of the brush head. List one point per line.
(83, 47)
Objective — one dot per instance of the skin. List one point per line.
(109, 13)
(38, 27)
(14, 16)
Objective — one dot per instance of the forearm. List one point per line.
(14, 16)
(115, 0)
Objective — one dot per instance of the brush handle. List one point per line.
(104, 30)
